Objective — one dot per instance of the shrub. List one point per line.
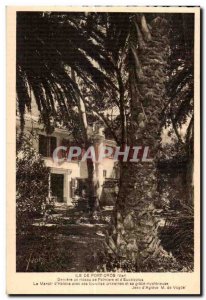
(31, 181)
(178, 235)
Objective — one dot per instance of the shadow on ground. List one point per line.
(68, 240)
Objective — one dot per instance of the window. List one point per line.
(104, 173)
(47, 145)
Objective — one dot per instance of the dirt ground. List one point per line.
(67, 241)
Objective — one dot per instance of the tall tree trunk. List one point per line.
(134, 239)
(92, 185)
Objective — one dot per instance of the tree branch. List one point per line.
(176, 130)
(122, 107)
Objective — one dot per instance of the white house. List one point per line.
(66, 177)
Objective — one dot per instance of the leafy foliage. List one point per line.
(48, 47)
(178, 235)
(180, 88)
(31, 183)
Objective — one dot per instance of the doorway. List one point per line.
(57, 186)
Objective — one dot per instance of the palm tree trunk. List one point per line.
(135, 236)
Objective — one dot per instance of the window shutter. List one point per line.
(53, 145)
(43, 145)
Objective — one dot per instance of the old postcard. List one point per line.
(103, 150)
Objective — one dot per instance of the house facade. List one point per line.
(68, 178)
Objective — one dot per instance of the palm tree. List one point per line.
(139, 48)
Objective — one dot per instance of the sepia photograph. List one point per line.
(104, 128)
